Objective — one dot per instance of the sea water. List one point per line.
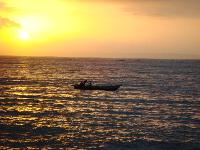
(157, 106)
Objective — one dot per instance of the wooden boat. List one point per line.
(97, 87)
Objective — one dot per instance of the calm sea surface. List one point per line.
(158, 106)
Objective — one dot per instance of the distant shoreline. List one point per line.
(109, 58)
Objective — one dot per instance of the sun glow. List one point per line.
(24, 35)
(84, 28)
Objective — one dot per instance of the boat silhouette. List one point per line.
(97, 87)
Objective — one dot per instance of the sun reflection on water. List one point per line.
(39, 105)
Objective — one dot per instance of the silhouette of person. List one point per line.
(83, 83)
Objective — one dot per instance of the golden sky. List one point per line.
(101, 28)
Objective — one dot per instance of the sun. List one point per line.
(24, 35)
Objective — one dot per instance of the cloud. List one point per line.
(4, 7)
(4, 21)
(163, 8)
(159, 8)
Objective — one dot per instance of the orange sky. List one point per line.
(100, 28)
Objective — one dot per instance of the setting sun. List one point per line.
(100, 28)
(24, 35)
(99, 74)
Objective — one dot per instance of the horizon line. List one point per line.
(93, 57)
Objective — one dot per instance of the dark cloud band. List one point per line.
(159, 8)
(164, 8)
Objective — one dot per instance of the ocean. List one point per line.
(157, 106)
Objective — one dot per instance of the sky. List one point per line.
(166, 29)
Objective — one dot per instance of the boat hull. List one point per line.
(98, 87)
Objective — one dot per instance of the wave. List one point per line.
(153, 145)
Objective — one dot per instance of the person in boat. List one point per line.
(82, 83)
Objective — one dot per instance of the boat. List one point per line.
(97, 87)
